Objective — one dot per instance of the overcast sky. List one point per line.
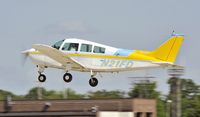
(131, 24)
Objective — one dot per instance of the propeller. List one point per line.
(24, 56)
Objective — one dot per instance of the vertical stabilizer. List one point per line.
(169, 50)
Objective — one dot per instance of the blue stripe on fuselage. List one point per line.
(123, 52)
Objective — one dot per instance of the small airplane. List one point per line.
(86, 56)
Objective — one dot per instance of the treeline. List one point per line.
(41, 93)
(190, 96)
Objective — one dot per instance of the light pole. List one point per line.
(175, 90)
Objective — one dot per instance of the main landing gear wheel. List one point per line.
(67, 77)
(93, 82)
(42, 78)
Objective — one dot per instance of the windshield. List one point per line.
(57, 44)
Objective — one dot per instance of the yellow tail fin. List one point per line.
(169, 50)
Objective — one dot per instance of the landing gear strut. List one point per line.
(41, 77)
(67, 77)
(93, 81)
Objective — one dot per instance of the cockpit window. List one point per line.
(57, 44)
(70, 47)
(86, 48)
(98, 49)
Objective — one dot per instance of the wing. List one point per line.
(57, 55)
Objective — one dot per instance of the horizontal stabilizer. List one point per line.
(169, 65)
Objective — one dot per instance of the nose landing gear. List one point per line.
(41, 77)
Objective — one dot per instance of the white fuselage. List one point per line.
(112, 60)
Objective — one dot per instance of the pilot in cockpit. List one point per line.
(73, 47)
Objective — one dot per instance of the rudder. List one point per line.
(169, 50)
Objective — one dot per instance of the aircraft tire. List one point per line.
(93, 82)
(67, 77)
(42, 78)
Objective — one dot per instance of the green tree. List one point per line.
(189, 89)
(53, 95)
(33, 93)
(4, 94)
(190, 97)
(103, 94)
(71, 94)
(144, 90)
(190, 93)
(148, 90)
(36, 92)
(161, 107)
